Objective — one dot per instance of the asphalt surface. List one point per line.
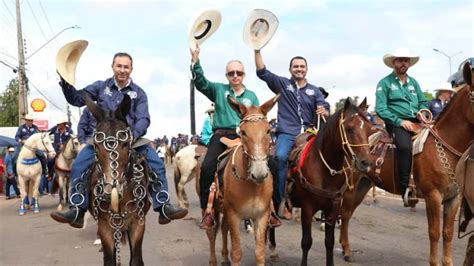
(384, 234)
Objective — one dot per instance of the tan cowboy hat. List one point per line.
(62, 120)
(210, 109)
(68, 57)
(259, 28)
(400, 53)
(11, 149)
(28, 117)
(203, 27)
(446, 86)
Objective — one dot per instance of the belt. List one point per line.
(225, 131)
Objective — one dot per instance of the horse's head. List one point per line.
(254, 131)
(353, 133)
(72, 147)
(112, 141)
(46, 144)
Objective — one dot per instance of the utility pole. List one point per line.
(22, 101)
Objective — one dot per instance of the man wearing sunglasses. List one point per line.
(296, 112)
(225, 120)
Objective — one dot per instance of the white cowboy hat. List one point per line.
(62, 120)
(203, 27)
(446, 86)
(210, 109)
(400, 53)
(28, 117)
(68, 57)
(259, 28)
(11, 149)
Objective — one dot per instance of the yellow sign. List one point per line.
(38, 105)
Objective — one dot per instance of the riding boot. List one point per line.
(207, 221)
(273, 220)
(74, 216)
(169, 212)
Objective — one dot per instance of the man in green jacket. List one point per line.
(225, 120)
(398, 101)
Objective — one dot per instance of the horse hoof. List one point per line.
(322, 227)
(349, 258)
(274, 258)
(60, 207)
(36, 210)
(21, 212)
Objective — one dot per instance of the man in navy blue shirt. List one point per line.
(443, 95)
(296, 109)
(86, 126)
(109, 94)
(22, 134)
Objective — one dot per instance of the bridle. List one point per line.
(43, 134)
(248, 119)
(74, 150)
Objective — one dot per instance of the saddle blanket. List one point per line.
(419, 141)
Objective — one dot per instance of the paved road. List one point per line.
(385, 234)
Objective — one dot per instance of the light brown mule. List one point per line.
(456, 128)
(248, 184)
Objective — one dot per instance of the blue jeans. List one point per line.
(85, 159)
(284, 143)
(45, 184)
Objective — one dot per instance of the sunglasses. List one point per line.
(235, 73)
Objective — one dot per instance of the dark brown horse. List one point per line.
(248, 184)
(119, 183)
(340, 148)
(433, 172)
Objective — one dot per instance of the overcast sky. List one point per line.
(343, 41)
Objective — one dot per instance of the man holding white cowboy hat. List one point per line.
(443, 94)
(398, 100)
(109, 94)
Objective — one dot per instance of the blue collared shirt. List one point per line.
(60, 138)
(8, 162)
(108, 97)
(24, 132)
(296, 106)
(436, 106)
(86, 126)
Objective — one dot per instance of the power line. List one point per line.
(42, 94)
(8, 9)
(36, 20)
(46, 17)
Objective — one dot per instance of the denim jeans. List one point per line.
(284, 143)
(85, 159)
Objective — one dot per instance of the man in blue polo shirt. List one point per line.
(109, 94)
(296, 109)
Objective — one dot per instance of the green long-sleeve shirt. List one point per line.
(224, 115)
(396, 101)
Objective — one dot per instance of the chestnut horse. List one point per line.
(62, 167)
(248, 184)
(433, 173)
(119, 185)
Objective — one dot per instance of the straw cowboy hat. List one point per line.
(400, 53)
(203, 27)
(28, 117)
(446, 86)
(259, 28)
(68, 57)
(210, 109)
(62, 120)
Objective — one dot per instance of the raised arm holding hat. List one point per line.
(299, 99)
(398, 100)
(109, 94)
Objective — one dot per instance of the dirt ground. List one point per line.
(381, 234)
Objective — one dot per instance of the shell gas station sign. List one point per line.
(38, 105)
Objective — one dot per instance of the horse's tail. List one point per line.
(114, 200)
(177, 174)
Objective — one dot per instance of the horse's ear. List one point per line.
(124, 108)
(238, 107)
(347, 103)
(467, 73)
(93, 107)
(267, 106)
(363, 105)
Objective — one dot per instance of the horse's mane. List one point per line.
(450, 103)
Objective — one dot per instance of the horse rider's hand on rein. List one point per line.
(408, 125)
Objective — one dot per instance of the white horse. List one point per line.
(187, 165)
(29, 169)
(62, 167)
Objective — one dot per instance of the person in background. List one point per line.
(443, 94)
(206, 132)
(11, 178)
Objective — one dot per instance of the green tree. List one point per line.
(9, 105)
(340, 103)
(428, 95)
